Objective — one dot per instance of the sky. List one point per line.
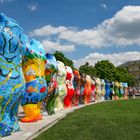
(84, 30)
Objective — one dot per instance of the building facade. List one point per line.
(133, 68)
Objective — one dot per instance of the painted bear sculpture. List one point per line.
(98, 89)
(107, 90)
(93, 85)
(36, 87)
(121, 90)
(125, 88)
(12, 83)
(70, 88)
(76, 84)
(87, 90)
(51, 78)
(102, 89)
(116, 90)
(61, 89)
(112, 93)
(82, 86)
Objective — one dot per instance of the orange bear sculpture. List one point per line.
(87, 90)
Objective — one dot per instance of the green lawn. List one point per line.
(114, 120)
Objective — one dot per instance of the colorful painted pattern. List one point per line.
(36, 87)
(98, 89)
(102, 89)
(125, 88)
(93, 85)
(82, 85)
(76, 84)
(116, 90)
(61, 87)
(12, 83)
(51, 78)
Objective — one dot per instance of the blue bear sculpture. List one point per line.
(12, 83)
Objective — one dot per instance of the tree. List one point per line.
(122, 75)
(61, 57)
(105, 70)
(87, 69)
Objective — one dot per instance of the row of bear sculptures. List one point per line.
(29, 77)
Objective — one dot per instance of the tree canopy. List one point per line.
(87, 69)
(106, 70)
(61, 57)
(103, 69)
(123, 75)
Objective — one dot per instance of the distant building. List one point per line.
(133, 68)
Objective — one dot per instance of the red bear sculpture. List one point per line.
(70, 88)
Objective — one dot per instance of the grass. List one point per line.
(114, 120)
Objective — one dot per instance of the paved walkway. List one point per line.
(31, 130)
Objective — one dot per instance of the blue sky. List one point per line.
(84, 30)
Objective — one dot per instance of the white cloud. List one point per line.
(121, 30)
(104, 6)
(115, 58)
(48, 30)
(50, 46)
(33, 6)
